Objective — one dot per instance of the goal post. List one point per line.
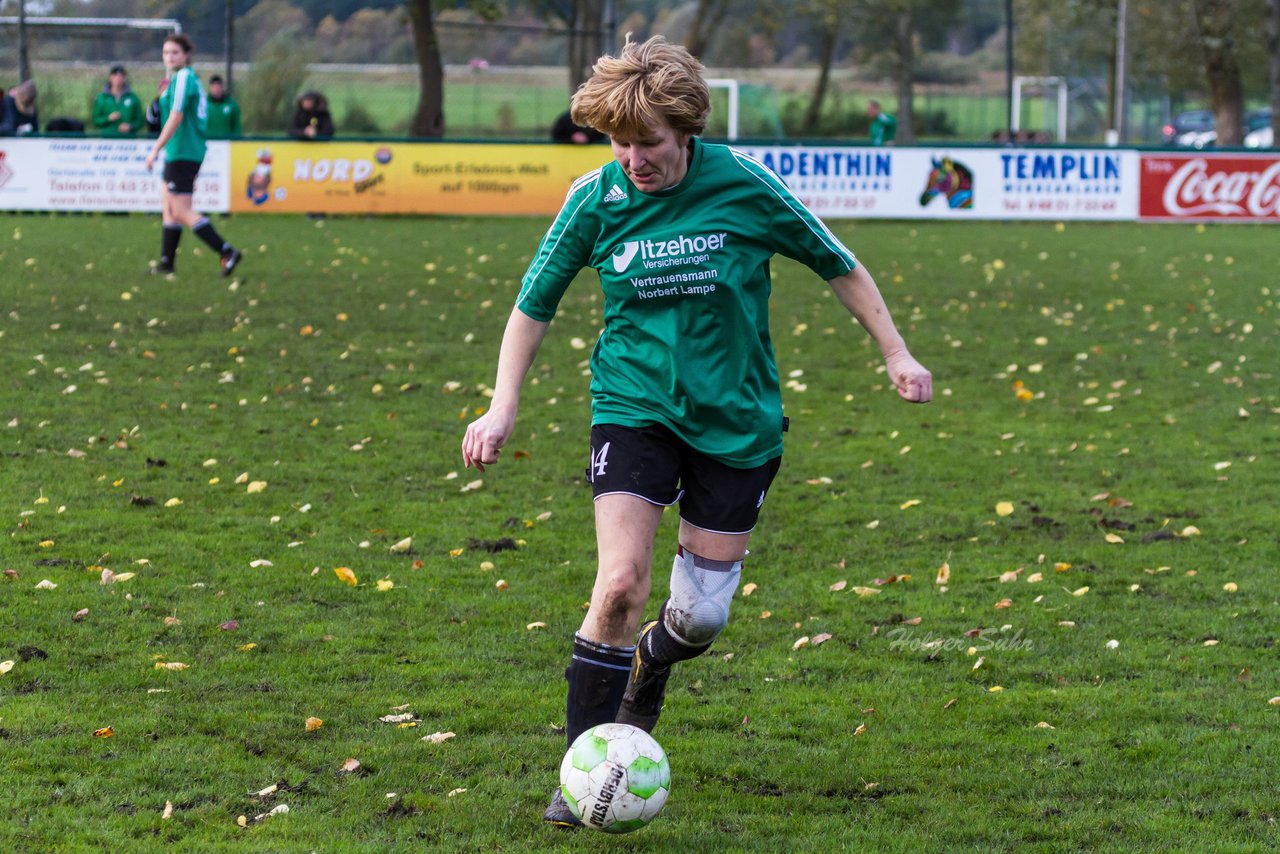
(733, 90)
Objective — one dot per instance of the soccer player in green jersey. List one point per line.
(686, 405)
(184, 113)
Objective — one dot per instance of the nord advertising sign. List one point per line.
(962, 183)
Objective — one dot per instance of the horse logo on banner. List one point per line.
(950, 179)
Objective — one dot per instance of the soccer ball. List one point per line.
(615, 778)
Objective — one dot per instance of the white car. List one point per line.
(1260, 138)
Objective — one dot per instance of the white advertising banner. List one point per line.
(959, 183)
(86, 174)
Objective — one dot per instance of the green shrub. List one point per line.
(279, 72)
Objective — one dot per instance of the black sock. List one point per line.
(597, 677)
(206, 232)
(169, 237)
(661, 649)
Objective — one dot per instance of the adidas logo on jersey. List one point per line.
(615, 194)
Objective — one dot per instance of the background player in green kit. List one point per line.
(184, 113)
(686, 405)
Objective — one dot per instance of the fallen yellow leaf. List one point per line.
(1114, 538)
(345, 575)
(105, 732)
(944, 574)
(838, 586)
(866, 591)
(748, 589)
(1004, 508)
(314, 724)
(385, 584)
(910, 503)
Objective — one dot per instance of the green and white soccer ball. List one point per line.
(615, 778)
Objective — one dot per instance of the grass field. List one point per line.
(309, 414)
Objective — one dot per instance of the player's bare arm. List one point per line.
(485, 436)
(166, 134)
(857, 291)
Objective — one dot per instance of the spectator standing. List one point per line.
(884, 127)
(311, 118)
(224, 112)
(568, 132)
(18, 111)
(117, 111)
(153, 109)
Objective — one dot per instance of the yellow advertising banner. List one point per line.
(406, 178)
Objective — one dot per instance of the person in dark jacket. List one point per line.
(18, 111)
(311, 119)
(568, 132)
(152, 117)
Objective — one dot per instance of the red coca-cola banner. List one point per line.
(1208, 186)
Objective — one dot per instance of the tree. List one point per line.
(1222, 68)
(428, 119)
(707, 18)
(1273, 46)
(826, 19)
(890, 30)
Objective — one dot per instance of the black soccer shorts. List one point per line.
(180, 176)
(652, 463)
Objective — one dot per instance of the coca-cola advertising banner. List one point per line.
(1243, 187)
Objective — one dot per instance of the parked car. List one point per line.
(1261, 138)
(1257, 129)
(1188, 127)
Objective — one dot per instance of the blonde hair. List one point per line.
(647, 84)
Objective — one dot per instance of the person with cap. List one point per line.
(117, 111)
(224, 112)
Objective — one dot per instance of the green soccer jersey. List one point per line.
(685, 275)
(224, 119)
(884, 128)
(184, 93)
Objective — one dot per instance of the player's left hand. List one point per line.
(912, 379)
(151, 160)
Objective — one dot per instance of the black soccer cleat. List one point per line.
(642, 703)
(160, 270)
(558, 813)
(230, 259)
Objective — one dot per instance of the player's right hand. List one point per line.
(482, 444)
